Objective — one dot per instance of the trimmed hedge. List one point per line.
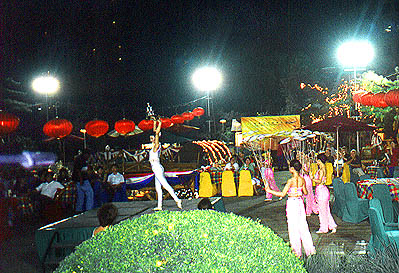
(184, 241)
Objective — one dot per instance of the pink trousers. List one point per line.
(311, 205)
(323, 200)
(268, 175)
(298, 229)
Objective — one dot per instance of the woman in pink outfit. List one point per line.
(311, 205)
(268, 176)
(323, 197)
(298, 229)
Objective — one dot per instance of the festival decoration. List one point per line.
(58, 128)
(8, 123)
(379, 101)
(356, 96)
(166, 123)
(367, 99)
(199, 111)
(146, 124)
(188, 116)
(124, 126)
(392, 97)
(97, 128)
(177, 119)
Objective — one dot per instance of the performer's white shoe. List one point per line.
(178, 203)
(157, 209)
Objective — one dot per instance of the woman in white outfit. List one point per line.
(158, 169)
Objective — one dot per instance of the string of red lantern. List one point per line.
(97, 128)
(124, 126)
(8, 123)
(58, 128)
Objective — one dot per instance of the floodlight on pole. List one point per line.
(355, 55)
(207, 79)
(46, 85)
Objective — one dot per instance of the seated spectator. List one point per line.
(248, 165)
(46, 191)
(393, 155)
(355, 163)
(117, 185)
(232, 165)
(106, 216)
(85, 194)
(215, 167)
(329, 156)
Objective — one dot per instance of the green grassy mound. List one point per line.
(187, 241)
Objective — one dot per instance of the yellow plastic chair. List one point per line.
(346, 174)
(245, 187)
(228, 185)
(206, 188)
(329, 173)
(313, 169)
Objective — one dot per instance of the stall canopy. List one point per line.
(270, 127)
(344, 124)
(339, 124)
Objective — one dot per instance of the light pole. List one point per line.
(207, 79)
(47, 85)
(83, 131)
(355, 55)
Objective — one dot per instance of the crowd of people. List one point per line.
(40, 194)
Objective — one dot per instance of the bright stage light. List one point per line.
(46, 85)
(207, 79)
(355, 54)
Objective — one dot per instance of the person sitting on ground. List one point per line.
(232, 165)
(205, 203)
(106, 216)
(355, 163)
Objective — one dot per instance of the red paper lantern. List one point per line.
(367, 99)
(379, 101)
(146, 124)
(124, 126)
(57, 128)
(166, 123)
(392, 97)
(97, 128)
(356, 96)
(199, 111)
(8, 123)
(177, 119)
(187, 115)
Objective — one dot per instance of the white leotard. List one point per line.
(154, 156)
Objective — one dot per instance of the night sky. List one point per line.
(113, 57)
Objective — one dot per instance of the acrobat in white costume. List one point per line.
(158, 169)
